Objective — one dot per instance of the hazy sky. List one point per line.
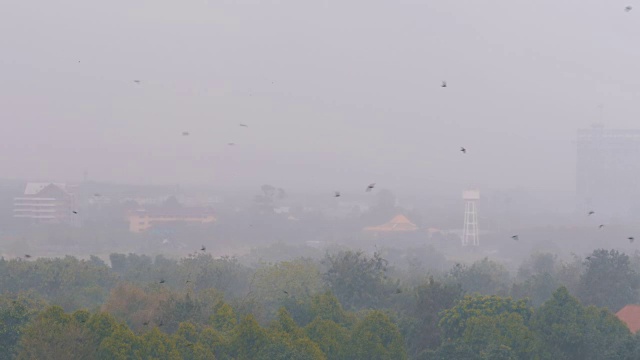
(336, 94)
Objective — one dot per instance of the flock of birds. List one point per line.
(371, 186)
(601, 226)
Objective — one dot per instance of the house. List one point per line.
(399, 223)
(45, 203)
(630, 315)
(142, 219)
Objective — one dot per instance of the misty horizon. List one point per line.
(331, 105)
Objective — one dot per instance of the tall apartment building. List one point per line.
(607, 171)
(45, 203)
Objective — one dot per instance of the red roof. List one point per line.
(630, 315)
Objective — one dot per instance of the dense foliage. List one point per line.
(346, 306)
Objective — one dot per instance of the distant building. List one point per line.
(630, 315)
(607, 167)
(143, 220)
(399, 223)
(45, 203)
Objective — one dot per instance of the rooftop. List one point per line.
(630, 315)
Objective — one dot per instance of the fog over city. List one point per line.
(270, 164)
(334, 95)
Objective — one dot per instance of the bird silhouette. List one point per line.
(231, 144)
(244, 125)
(97, 195)
(185, 133)
(591, 213)
(27, 256)
(284, 291)
(444, 84)
(515, 237)
(601, 226)
(588, 257)
(631, 238)
(136, 81)
(203, 248)
(628, 8)
(337, 194)
(162, 281)
(370, 187)
(75, 212)
(463, 150)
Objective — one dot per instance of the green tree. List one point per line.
(609, 280)
(422, 317)
(332, 338)
(224, 318)
(454, 320)
(15, 313)
(288, 281)
(119, 344)
(248, 340)
(375, 337)
(56, 335)
(327, 307)
(501, 336)
(538, 288)
(484, 277)
(155, 344)
(357, 281)
(187, 343)
(570, 331)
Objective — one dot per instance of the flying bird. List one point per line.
(75, 212)
(185, 133)
(463, 150)
(370, 187)
(588, 257)
(591, 213)
(444, 84)
(27, 256)
(244, 125)
(136, 81)
(631, 238)
(284, 291)
(97, 195)
(203, 248)
(515, 237)
(337, 194)
(628, 8)
(601, 226)
(162, 281)
(230, 144)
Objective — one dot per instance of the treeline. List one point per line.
(345, 306)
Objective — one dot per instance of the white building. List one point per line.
(45, 203)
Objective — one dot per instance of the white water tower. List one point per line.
(470, 233)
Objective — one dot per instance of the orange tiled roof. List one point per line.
(398, 223)
(630, 315)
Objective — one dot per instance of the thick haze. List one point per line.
(336, 94)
